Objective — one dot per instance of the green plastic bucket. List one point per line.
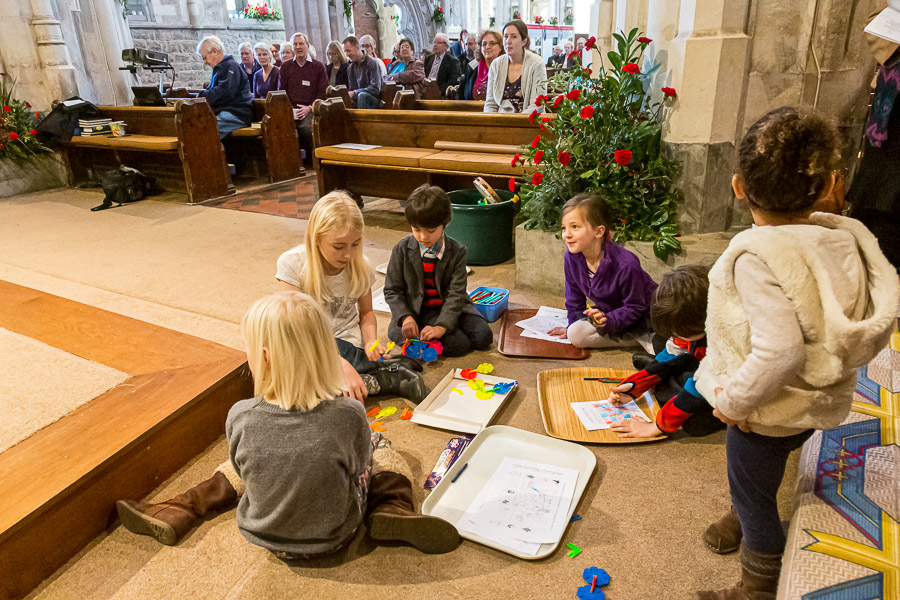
(486, 230)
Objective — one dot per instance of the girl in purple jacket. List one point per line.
(607, 292)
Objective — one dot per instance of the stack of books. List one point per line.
(97, 126)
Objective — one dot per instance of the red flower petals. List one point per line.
(540, 99)
(537, 178)
(533, 116)
(623, 157)
(6, 108)
(644, 40)
(33, 132)
(13, 135)
(564, 158)
(670, 92)
(573, 94)
(631, 68)
(538, 156)
(558, 101)
(536, 141)
(590, 43)
(587, 112)
(515, 160)
(512, 185)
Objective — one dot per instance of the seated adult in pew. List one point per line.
(490, 47)
(441, 65)
(516, 79)
(467, 66)
(412, 73)
(367, 43)
(228, 92)
(267, 78)
(304, 79)
(337, 66)
(363, 76)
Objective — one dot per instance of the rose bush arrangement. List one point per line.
(438, 17)
(260, 12)
(606, 138)
(18, 119)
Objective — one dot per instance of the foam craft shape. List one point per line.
(584, 593)
(485, 368)
(377, 426)
(457, 390)
(575, 518)
(468, 373)
(390, 346)
(602, 576)
(574, 550)
(386, 412)
(373, 411)
(502, 388)
(406, 415)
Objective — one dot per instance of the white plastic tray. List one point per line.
(449, 501)
(445, 409)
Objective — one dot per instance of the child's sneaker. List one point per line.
(400, 381)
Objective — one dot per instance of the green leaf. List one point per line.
(659, 218)
(660, 250)
(587, 174)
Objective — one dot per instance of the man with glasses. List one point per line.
(441, 65)
(367, 43)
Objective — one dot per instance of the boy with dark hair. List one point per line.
(425, 285)
(678, 312)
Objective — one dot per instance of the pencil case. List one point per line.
(491, 312)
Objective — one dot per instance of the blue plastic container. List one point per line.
(491, 312)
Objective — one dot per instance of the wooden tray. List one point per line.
(513, 344)
(558, 387)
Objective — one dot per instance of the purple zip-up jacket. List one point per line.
(620, 288)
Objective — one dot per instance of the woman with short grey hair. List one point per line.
(267, 78)
(248, 63)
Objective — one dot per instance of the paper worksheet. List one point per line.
(523, 501)
(350, 146)
(546, 319)
(600, 414)
(886, 25)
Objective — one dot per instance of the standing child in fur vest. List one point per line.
(796, 305)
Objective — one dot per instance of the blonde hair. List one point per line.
(291, 351)
(340, 50)
(334, 212)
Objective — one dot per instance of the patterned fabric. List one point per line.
(513, 93)
(886, 90)
(844, 539)
(430, 256)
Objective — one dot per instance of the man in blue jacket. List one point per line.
(228, 92)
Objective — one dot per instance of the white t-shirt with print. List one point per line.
(341, 308)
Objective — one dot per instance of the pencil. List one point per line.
(603, 379)
(460, 472)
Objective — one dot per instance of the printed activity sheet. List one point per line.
(523, 505)
(887, 24)
(600, 414)
(546, 319)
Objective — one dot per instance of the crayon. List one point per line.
(602, 379)
(460, 472)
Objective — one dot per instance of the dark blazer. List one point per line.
(404, 283)
(448, 73)
(555, 62)
(341, 78)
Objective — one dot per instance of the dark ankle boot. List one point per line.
(724, 536)
(759, 578)
(167, 522)
(392, 517)
(400, 381)
(641, 359)
(404, 361)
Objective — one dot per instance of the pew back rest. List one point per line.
(143, 120)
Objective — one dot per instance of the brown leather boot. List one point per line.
(759, 578)
(724, 536)
(392, 517)
(169, 521)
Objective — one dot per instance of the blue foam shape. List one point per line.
(584, 593)
(602, 576)
(413, 351)
(502, 388)
(575, 518)
(429, 354)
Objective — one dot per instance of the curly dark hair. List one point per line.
(679, 303)
(786, 159)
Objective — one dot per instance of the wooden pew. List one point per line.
(179, 146)
(443, 148)
(406, 100)
(389, 91)
(273, 127)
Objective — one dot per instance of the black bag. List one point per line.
(124, 185)
(59, 125)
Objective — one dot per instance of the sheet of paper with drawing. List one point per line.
(600, 414)
(546, 319)
(523, 504)
(886, 25)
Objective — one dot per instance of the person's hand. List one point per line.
(628, 428)
(596, 316)
(375, 353)
(620, 395)
(301, 112)
(409, 328)
(355, 388)
(352, 93)
(435, 332)
(742, 424)
(559, 332)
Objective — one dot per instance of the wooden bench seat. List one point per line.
(150, 143)
(255, 130)
(385, 155)
(477, 162)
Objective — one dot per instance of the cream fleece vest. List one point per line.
(835, 345)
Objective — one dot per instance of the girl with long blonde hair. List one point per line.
(302, 462)
(330, 267)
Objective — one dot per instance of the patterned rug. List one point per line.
(293, 199)
(844, 539)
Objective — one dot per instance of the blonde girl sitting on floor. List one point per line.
(303, 462)
(330, 267)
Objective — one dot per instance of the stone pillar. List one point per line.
(115, 36)
(52, 49)
(314, 18)
(365, 19)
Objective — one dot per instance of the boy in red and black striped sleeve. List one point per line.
(678, 312)
(425, 284)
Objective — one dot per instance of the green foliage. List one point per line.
(598, 121)
(438, 17)
(18, 139)
(260, 12)
(348, 10)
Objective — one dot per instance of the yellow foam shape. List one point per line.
(485, 368)
(386, 412)
(483, 395)
(476, 384)
(457, 390)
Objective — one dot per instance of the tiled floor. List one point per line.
(290, 199)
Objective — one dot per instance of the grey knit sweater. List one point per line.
(305, 473)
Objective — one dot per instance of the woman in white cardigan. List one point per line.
(517, 78)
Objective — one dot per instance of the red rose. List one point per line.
(558, 100)
(540, 100)
(515, 160)
(623, 157)
(587, 72)
(587, 112)
(6, 108)
(533, 116)
(590, 43)
(573, 54)
(512, 185)
(537, 178)
(573, 94)
(644, 40)
(38, 115)
(670, 92)
(13, 135)
(631, 68)
(564, 158)
(538, 156)
(536, 141)
(33, 132)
